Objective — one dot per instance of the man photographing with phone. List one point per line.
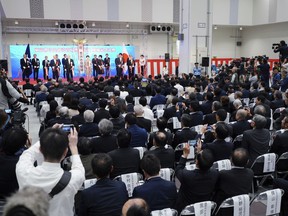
(48, 174)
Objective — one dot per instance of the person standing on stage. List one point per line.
(131, 66)
(45, 64)
(55, 65)
(25, 66)
(35, 65)
(106, 62)
(142, 62)
(88, 65)
(70, 68)
(119, 65)
(94, 64)
(100, 66)
(64, 65)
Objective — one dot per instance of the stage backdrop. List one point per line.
(17, 51)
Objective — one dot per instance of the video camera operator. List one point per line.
(264, 70)
(9, 95)
(282, 48)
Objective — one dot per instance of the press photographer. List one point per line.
(282, 49)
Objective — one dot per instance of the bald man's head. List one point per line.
(241, 114)
(160, 139)
(135, 207)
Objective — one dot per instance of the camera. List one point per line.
(192, 143)
(66, 128)
(275, 46)
(18, 116)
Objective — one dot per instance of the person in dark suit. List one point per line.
(119, 65)
(206, 106)
(157, 192)
(278, 100)
(117, 119)
(136, 206)
(131, 67)
(236, 181)
(35, 65)
(94, 66)
(64, 59)
(100, 66)
(165, 155)
(101, 113)
(195, 114)
(101, 93)
(280, 144)
(130, 103)
(106, 142)
(69, 68)
(242, 124)
(185, 133)
(139, 135)
(158, 98)
(125, 159)
(25, 67)
(196, 185)
(141, 121)
(107, 196)
(88, 129)
(219, 147)
(210, 118)
(45, 65)
(256, 140)
(171, 111)
(55, 65)
(106, 62)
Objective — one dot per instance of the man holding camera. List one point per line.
(282, 48)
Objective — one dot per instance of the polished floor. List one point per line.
(32, 123)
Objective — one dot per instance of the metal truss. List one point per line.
(51, 30)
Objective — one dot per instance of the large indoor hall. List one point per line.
(143, 107)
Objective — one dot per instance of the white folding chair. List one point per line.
(89, 182)
(130, 180)
(59, 100)
(141, 151)
(190, 166)
(167, 174)
(205, 208)
(267, 203)
(222, 165)
(136, 100)
(164, 212)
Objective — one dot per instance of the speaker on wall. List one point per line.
(205, 61)
(181, 36)
(167, 57)
(238, 43)
(4, 64)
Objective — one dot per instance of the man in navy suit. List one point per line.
(157, 192)
(158, 98)
(119, 65)
(107, 196)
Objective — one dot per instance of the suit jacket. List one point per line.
(183, 135)
(196, 185)
(280, 144)
(69, 66)
(157, 99)
(196, 118)
(233, 182)
(118, 123)
(206, 107)
(220, 149)
(64, 62)
(104, 144)
(105, 198)
(94, 63)
(106, 62)
(101, 114)
(144, 123)
(125, 160)
(139, 136)
(166, 156)
(35, 64)
(277, 103)
(169, 112)
(88, 130)
(25, 65)
(210, 119)
(256, 141)
(118, 62)
(157, 192)
(239, 127)
(46, 63)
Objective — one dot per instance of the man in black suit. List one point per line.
(55, 65)
(157, 192)
(195, 113)
(94, 65)
(45, 65)
(101, 113)
(119, 65)
(35, 65)
(256, 140)
(210, 118)
(69, 68)
(64, 59)
(88, 129)
(117, 119)
(125, 159)
(242, 124)
(171, 111)
(185, 133)
(106, 62)
(131, 66)
(196, 185)
(106, 197)
(219, 147)
(165, 155)
(280, 144)
(25, 67)
(141, 121)
(101, 93)
(236, 181)
(206, 106)
(278, 101)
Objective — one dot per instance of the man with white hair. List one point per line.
(141, 121)
(61, 117)
(237, 105)
(88, 129)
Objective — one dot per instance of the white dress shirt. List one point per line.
(46, 175)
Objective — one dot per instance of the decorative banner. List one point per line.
(81, 57)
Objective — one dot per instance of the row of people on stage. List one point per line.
(94, 67)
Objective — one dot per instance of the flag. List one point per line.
(125, 57)
(27, 52)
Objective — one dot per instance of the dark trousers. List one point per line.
(142, 70)
(119, 71)
(94, 72)
(69, 75)
(130, 72)
(36, 73)
(25, 73)
(55, 75)
(64, 72)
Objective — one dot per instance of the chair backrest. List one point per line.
(141, 151)
(246, 101)
(176, 123)
(238, 138)
(167, 174)
(282, 163)
(190, 167)
(89, 182)
(159, 107)
(136, 100)
(197, 128)
(227, 118)
(130, 180)
(264, 164)
(180, 146)
(164, 212)
(59, 100)
(222, 165)
(110, 94)
(28, 92)
(148, 99)
(205, 208)
(267, 203)
(159, 113)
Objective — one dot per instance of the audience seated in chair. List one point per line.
(135, 207)
(89, 128)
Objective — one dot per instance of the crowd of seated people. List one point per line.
(115, 118)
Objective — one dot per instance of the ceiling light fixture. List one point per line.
(241, 28)
(93, 24)
(16, 22)
(215, 27)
